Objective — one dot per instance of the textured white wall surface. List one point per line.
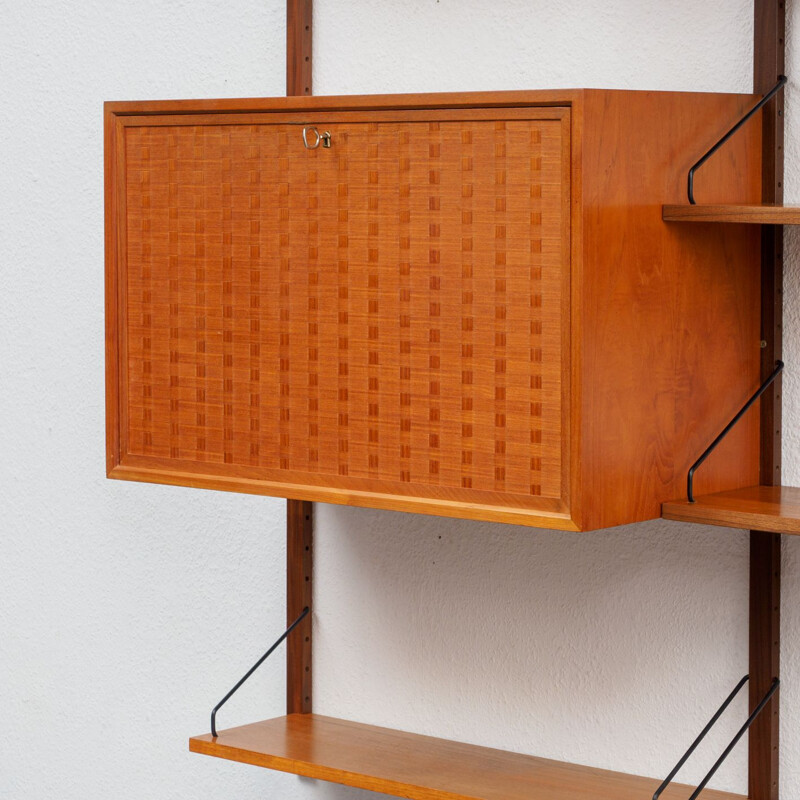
(127, 610)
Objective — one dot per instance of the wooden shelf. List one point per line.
(421, 767)
(760, 508)
(756, 214)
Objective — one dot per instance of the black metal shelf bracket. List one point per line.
(710, 774)
(707, 452)
(757, 107)
(252, 670)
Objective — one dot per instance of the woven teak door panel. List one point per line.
(385, 315)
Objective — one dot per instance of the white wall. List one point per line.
(127, 610)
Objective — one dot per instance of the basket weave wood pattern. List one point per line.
(385, 314)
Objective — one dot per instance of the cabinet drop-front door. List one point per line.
(370, 308)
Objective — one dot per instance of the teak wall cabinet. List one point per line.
(467, 304)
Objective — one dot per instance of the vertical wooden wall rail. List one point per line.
(299, 522)
(299, 572)
(768, 52)
(765, 552)
(765, 599)
(298, 47)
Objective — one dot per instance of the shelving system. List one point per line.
(426, 768)
(765, 560)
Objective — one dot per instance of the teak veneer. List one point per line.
(762, 508)
(468, 305)
(422, 767)
(750, 214)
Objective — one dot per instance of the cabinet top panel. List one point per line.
(443, 100)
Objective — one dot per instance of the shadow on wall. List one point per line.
(532, 640)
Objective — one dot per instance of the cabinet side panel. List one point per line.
(111, 299)
(671, 311)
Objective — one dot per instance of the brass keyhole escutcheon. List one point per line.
(312, 138)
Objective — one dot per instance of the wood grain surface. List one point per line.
(299, 595)
(336, 103)
(769, 61)
(388, 311)
(668, 315)
(765, 659)
(469, 305)
(760, 508)
(422, 767)
(299, 513)
(299, 35)
(753, 214)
